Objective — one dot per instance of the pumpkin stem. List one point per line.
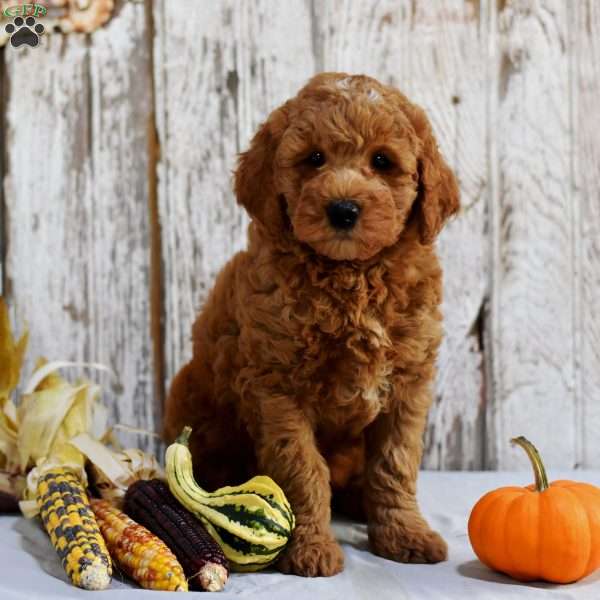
(541, 479)
(184, 436)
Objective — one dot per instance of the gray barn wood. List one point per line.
(117, 212)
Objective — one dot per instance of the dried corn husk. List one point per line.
(12, 351)
(57, 424)
(112, 471)
(51, 412)
(11, 362)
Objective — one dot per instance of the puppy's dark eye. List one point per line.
(316, 159)
(381, 162)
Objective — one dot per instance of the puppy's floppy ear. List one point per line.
(254, 177)
(438, 197)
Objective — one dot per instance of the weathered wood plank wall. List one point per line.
(117, 156)
(585, 161)
(545, 228)
(534, 268)
(76, 190)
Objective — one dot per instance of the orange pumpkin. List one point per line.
(542, 531)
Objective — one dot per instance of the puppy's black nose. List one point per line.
(343, 213)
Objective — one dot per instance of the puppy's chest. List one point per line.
(346, 363)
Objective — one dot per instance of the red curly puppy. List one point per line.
(314, 355)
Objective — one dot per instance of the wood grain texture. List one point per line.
(47, 194)
(3, 157)
(76, 193)
(436, 54)
(119, 295)
(534, 256)
(220, 69)
(585, 68)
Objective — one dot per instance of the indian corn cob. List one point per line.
(73, 530)
(151, 503)
(139, 553)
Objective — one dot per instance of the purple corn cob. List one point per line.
(151, 503)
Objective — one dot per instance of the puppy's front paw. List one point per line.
(406, 544)
(312, 555)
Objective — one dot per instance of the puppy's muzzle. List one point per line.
(343, 214)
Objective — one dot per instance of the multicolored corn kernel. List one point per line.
(140, 554)
(73, 530)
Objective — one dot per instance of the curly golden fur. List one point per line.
(314, 355)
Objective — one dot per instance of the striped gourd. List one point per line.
(73, 529)
(252, 522)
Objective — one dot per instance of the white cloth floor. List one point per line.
(30, 570)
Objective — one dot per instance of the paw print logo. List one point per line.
(24, 31)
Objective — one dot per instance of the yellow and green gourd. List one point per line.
(252, 522)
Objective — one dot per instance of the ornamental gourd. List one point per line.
(544, 531)
(252, 522)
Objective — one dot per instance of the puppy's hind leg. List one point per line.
(182, 402)
(221, 451)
